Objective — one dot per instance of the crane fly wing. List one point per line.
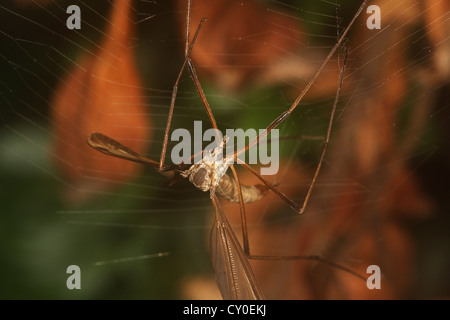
(234, 274)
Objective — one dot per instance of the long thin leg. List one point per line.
(284, 197)
(274, 124)
(310, 258)
(214, 124)
(295, 206)
(281, 118)
(294, 105)
(242, 210)
(201, 93)
(174, 95)
(284, 115)
(188, 28)
(305, 201)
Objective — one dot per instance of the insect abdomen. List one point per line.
(228, 189)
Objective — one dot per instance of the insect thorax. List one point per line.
(207, 172)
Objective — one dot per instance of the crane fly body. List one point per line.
(207, 172)
(234, 275)
(210, 173)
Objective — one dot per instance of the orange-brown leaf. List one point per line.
(240, 39)
(102, 93)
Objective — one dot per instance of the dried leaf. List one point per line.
(240, 40)
(102, 93)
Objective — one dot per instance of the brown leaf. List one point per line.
(240, 40)
(102, 93)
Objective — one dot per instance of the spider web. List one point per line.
(143, 239)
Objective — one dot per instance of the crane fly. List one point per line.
(234, 275)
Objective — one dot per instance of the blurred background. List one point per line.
(382, 196)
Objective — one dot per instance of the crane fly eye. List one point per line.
(199, 177)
